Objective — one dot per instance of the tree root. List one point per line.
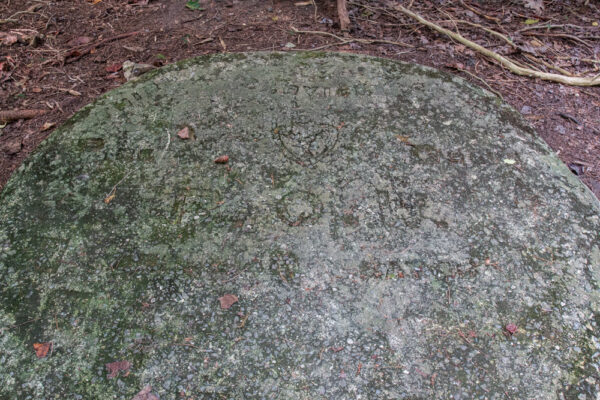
(505, 62)
(346, 40)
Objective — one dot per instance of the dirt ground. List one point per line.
(58, 55)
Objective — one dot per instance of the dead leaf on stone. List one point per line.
(228, 300)
(222, 160)
(511, 328)
(184, 133)
(115, 367)
(41, 349)
(48, 125)
(404, 139)
(145, 394)
(111, 196)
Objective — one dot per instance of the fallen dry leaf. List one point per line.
(145, 394)
(18, 36)
(113, 67)
(41, 349)
(79, 41)
(7, 38)
(535, 5)
(222, 160)
(576, 168)
(135, 49)
(404, 139)
(115, 367)
(536, 43)
(228, 300)
(13, 146)
(48, 125)
(184, 133)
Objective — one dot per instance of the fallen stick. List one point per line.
(77, 54)
(343, 15)
(507, 63)
(12, 115)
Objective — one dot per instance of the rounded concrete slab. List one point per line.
(380, 231)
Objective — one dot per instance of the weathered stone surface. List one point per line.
(380, 225)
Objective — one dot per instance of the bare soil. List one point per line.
(69, 52)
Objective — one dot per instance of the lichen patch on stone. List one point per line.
(380, 225)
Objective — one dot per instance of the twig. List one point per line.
(18, 325)
(546, 26)
(488, 30)
(343, 42)
(589, 60)
(6, 21)
(554, 67)
(563, 35)
(233, 277)
(12, 115)
(569, 118)
(203, 41)
(30, 10)
(507, 63)
(191, 345)
(349, 39)
(166, 148)
(476, 11)
(314, 3)
(497, 93)
(113, 192)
